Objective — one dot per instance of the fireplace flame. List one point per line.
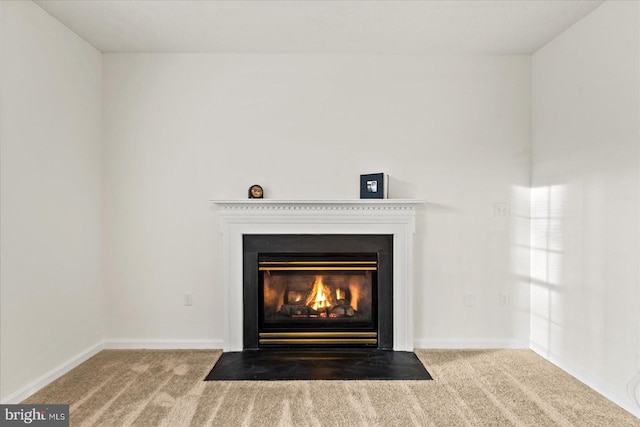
(320, 297)
(355, 296)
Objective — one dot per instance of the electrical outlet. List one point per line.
(504, 300)
(188, 298)
(470, 299)
(501, 209)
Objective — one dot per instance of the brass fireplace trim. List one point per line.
(344, 334)
(315, 265)
(311, 268)
(319, 341)
(318, 337)
(318, 262)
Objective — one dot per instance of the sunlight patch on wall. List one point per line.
(548, 208)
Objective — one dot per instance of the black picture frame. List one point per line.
(372, 186)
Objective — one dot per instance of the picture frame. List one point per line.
(374, 186)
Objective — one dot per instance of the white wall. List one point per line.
(585, 200)
(182, 129)
(50, 199)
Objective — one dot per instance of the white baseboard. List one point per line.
(615, 396)
(128, 344)
(468, 343)
(52, 375)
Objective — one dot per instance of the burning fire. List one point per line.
(320, 297)
(355, 296)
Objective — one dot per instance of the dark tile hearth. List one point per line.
(344, 364)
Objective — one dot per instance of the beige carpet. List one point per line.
(470, 388)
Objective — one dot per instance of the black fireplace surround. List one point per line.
(282, 274)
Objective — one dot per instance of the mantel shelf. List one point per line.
(319, 204)
(324, 202)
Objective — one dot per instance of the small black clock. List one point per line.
(256, 192)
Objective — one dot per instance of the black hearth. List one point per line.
(310, 291)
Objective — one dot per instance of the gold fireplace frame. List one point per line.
(314, 265)
(345, 337)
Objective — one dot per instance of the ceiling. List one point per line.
(320, 27)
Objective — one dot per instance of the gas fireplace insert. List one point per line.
(318, 291)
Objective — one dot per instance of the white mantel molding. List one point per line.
(264, 216)
(372, 205)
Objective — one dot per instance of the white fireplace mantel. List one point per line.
(261, 216)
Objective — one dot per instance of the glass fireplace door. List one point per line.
(317, 299)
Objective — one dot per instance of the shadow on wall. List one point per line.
(520, 213)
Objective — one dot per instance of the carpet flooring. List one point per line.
(469, 388)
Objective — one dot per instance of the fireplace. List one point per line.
(389, 217)
(318, 291)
